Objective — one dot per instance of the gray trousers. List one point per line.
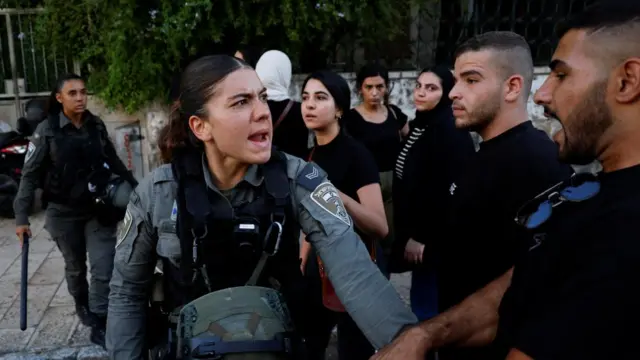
(77, 233)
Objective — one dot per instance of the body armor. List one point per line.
(77, 163)
(237, 252)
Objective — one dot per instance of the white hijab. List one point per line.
(274, 70)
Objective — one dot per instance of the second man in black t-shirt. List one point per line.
(515, 162)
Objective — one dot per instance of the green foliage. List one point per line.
(133, 48)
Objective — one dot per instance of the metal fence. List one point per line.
(27, 69)
(534, 19)
(433, 30)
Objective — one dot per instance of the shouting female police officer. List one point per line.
(72, 157)
(227, 212)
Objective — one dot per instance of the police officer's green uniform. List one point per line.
(152, 231)
(60, 159)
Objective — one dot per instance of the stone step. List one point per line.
(70, 353)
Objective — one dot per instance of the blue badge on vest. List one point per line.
(310, 177)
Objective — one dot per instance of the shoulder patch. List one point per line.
(125, 227)
(31, 149)
(310, 177)
(328, 198)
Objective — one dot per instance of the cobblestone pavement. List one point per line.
(53, 331)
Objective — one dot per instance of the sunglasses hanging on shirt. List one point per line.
(579, 187)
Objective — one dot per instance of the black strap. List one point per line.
(193, 197)
(283, 115)
(277, 184)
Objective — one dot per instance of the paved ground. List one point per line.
(53, 329)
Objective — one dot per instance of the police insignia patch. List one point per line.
(125, 227)
(30, 150)
(328, 198)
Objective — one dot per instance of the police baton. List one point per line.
(24, 281)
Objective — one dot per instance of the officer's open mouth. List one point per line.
(259, 136)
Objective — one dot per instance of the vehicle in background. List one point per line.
(14, 145)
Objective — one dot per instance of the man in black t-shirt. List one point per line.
(515, 162)
(573, 290)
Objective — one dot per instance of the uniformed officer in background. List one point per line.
(227, 212)
(72, 158)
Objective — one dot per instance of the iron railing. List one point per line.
(27, 69)
(434, 29)
(534, 19)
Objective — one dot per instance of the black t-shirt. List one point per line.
(573, 294)
(383, 139)
(348, 164)
(481, 238)
(291, 135)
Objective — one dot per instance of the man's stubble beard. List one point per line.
(585, 126)
(483, 116)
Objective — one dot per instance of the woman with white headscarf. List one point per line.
(290, 133)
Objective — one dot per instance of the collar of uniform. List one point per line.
(64, 120)
(253, 176)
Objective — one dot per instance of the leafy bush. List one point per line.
(133, 48)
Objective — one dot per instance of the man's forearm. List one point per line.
(473, 322)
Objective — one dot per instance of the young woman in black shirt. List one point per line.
(433, 155)
(352, 170)
(380, 126)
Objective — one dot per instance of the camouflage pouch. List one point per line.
(240, 323)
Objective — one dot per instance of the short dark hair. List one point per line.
(514, 50)
(613, 28)
(602, 15)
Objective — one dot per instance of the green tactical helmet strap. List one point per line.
(239, 323)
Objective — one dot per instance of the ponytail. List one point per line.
(174, 136)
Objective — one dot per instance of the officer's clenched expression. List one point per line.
(238, 124)
(477, 94)
(319, 109)
(73, 97)
(575, 93)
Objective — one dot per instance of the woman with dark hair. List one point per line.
(433, 155)
(351, 168)
(380, 126)
(71, 153)
(221, 224)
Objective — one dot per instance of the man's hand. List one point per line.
(473, 322)
(412, 344)
(413, 251)
(21, 230)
